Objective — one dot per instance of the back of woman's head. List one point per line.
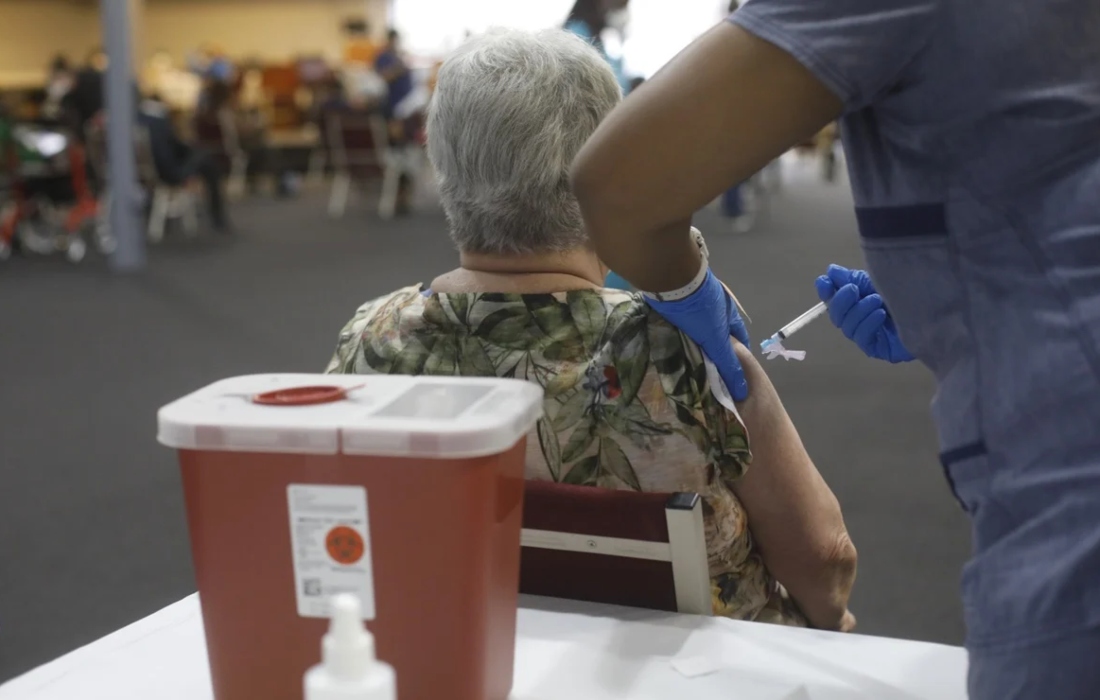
(510, 112)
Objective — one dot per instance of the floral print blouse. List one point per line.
(627, 404)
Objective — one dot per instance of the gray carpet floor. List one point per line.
(92, 530)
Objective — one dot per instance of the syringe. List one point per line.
(794, 326)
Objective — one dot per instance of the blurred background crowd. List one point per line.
(243, 98)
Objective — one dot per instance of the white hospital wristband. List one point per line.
(692, 286)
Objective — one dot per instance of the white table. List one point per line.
(564, 650)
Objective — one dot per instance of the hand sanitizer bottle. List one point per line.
(349, 669)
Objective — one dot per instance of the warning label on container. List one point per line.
(330, 535)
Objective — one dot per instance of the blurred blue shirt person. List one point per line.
(394, 71)
(589, 18)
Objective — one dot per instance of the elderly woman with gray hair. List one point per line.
(628, 405)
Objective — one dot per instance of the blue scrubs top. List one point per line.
(972, 133)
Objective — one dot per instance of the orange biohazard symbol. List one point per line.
(344, 545)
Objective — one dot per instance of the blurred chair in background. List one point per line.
(358, 146)
(174, 164)
(239, 135)
(167, 200)
(354, 88)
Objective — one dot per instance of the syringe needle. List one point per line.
(773, 346)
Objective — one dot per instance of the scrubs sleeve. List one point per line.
(859, 49)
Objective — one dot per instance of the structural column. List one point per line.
(118, 84)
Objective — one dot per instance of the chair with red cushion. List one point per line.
(644, 550)
(218, 135)
(358, 146)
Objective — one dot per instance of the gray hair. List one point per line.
(510, 112)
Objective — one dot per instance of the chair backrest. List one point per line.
(281, 83)
(645, 550)
(357, 142)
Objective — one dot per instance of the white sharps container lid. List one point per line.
(384, 415)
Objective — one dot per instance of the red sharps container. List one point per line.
(405, 491)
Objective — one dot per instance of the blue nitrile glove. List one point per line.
(709, 317)
(858, 311)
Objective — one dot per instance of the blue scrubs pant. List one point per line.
(1063, 669)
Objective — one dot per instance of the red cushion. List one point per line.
(586, 510)
(638, 583)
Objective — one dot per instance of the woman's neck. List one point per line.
(523, 274)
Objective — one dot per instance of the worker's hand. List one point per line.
(709, 317)
(858, 311)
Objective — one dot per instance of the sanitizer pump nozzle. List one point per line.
(349, 669)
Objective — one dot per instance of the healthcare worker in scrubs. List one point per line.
(972, 132)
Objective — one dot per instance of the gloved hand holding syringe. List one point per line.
(856, 308)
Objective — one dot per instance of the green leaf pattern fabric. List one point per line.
(627, 404)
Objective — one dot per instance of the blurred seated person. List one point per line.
(392, 67)
(359, 48)
(178, 88)
(253, 101)
(332, 96)
(176, 162)
(221, 110)
(403, 108)
(59, 82)
(85, 100)
(211, 63)
(627, 402)
(362, 88)
(589, 19)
